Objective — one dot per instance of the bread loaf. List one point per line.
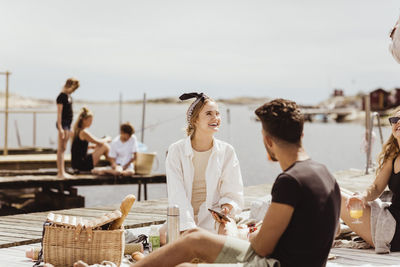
(125, 207)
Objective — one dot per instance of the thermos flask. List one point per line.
(173, 223)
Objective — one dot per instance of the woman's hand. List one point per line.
(356, 198)
(228, 228)
(226, 210)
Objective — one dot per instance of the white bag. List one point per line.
(394, 47)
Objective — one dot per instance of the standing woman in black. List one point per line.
(380, 221)
(64, 120)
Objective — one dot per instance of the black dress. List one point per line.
(80, 160)
(394, 208)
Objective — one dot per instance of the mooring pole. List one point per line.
(143, 117)
(120, 109)
(5, 151)
(368, 130)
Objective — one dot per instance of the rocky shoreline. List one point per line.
(17, 101)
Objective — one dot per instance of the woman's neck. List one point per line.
(202, 142)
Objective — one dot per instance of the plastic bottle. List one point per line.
(154, 237)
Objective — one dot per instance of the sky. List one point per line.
(293, 49)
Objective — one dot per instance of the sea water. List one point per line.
(337, 145)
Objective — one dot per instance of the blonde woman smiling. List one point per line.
(380, 221)
(203, 172)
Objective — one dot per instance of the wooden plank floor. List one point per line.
(359, 257)
(28, 181)
(15, 257)
(26, 228)
(35, 161)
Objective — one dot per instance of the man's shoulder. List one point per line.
(285, 177)
(311, 174)
(306, 168)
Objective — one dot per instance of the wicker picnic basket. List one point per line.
(65, 243)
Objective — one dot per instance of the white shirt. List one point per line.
(224, 183)
(122, 152)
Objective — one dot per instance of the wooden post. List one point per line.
(380, 129)
(120, 109)
(143, 117)
(368, 129)
(228, 114)
(5, 151)
(34, 129)
(17, 133)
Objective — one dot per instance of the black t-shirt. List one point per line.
(66, 101)
(312, 191)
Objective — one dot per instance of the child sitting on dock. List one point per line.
(300, 224)
(64, 120)
(379, 222)
(122, 154)
(80, 159)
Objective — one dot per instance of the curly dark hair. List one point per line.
(127, 128)
(282, 119)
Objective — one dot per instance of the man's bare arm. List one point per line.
(274, 224)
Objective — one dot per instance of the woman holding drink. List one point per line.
(378, 223)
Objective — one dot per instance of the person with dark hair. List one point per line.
(122, 154)
(64, 121)
(300, 224)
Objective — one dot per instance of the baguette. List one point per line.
(125, 207)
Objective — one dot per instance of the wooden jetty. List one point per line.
(341, 113)
(17, 231)
(60, 193)
(35, 161)
(37, 174)
(29, 150)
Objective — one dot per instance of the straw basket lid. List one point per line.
(74, 222)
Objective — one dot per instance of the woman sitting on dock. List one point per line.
(380, 221)
(64, 120)
(203, 172)
(80, 159)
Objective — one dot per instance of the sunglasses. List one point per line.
(393, 120)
